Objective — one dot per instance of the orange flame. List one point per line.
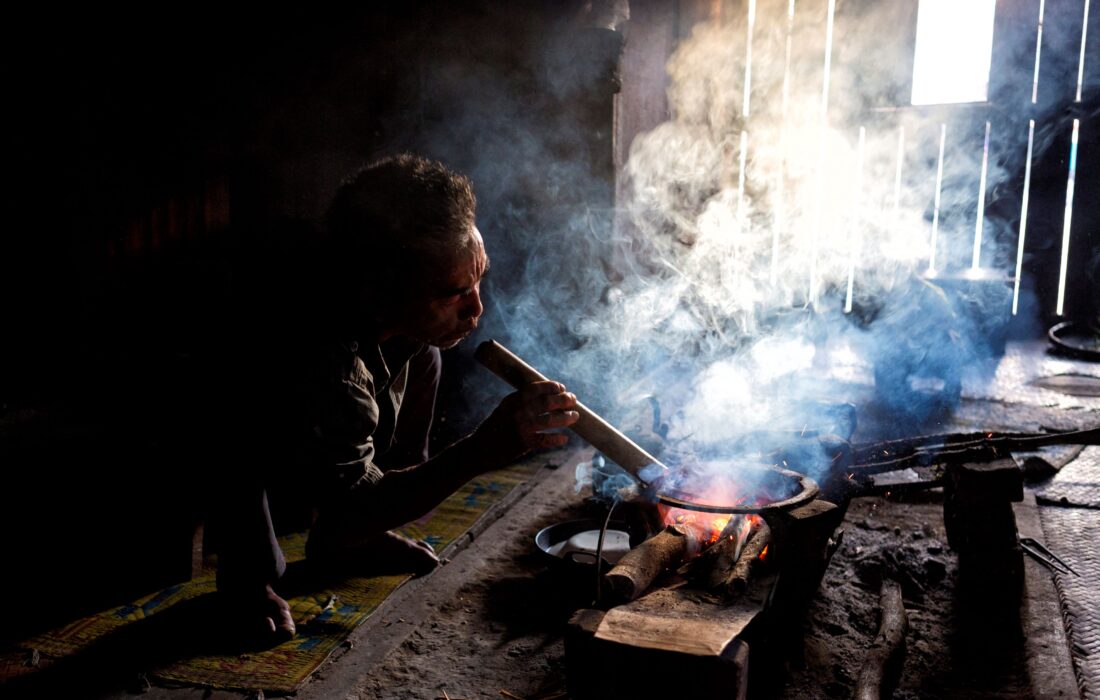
(707, 527)
(764, 553)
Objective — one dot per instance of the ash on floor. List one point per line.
(943, 659)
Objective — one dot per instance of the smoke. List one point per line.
(726, 292)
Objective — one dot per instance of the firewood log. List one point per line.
(642, 565)
(719, 560)
(735, 580)
(720, 554)
(882, 665)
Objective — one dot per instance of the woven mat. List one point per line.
(325, 617)
(1076, 484)
(1072, 533)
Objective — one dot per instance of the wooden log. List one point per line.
(720, 554)
(642, 565)
(714, 565)
(736, 580)
(882, 665)
(591, 426)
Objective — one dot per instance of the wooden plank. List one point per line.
(681, 620)
(685, 636)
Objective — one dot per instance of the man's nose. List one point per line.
(473, 308)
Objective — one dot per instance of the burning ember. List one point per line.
(708, 527)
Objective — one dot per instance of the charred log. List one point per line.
(733, 580)
(883, 663)
(642, 565)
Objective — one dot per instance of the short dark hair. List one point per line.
(401, 211)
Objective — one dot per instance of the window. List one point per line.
(954, 50)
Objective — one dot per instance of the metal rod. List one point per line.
(892, 452)
(976, 263)
(1067, 219)
(1023, 218)
(599, 549)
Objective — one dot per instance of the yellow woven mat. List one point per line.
(325, 618)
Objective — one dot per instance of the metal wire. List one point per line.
(599, 550)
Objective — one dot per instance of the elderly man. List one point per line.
(405, 262)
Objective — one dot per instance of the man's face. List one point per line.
(446, 304)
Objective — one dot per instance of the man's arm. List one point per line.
(514, 428)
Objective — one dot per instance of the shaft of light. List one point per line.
(828, 61)
(777, 224)
(1038, 52)
(780, 195)
(857, 221)
(936, 205)
(1067, 219)
(748, 58)
(741, 175)
(787, 60)
(897, 172)
(819, 194)
(976, 263)
(1081, 59)
(821, 150)
(1023, 218)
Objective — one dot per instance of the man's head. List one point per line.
(407, 250)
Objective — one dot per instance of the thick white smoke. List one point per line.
(726, 294)
(755, 216)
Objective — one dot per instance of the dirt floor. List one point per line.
(502, 632)
(942, 660)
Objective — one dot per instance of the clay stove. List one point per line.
(740, 600)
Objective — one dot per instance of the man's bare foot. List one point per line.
(278, 621)
(262, 617)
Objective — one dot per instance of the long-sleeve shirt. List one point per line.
(373, 411)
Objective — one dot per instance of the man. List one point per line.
(405, 262)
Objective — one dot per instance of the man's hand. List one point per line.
(519, 424)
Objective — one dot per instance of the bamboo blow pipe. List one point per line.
(590, 426)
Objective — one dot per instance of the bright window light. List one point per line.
(954, 49)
